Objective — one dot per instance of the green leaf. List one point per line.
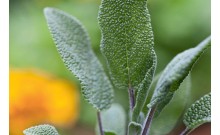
(171, 116)
(73, 44)
(153, 85)
(175, 72)
(127, 43)
(134, 128)
(113, 120)
(199, 113)
(41, 130)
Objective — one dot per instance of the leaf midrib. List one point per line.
(127, 57)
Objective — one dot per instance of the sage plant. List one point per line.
(127, 45)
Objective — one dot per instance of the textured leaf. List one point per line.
(175, 72)
(41, 130)
(114, 120)
(73, 44)
(171, 116)
(134, 128)
(127, 43)
(198, 113)
(151, 91)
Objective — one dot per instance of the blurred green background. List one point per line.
(177, 25)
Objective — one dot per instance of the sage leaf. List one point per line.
(113, 120)
(153, 85)
(175, 72)
(134, 128)
(41, 130)
(127, 44)
(199, 113)
(171, 116)
(73, 44)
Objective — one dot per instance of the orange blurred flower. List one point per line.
(37, 98)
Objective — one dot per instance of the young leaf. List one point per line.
(73, 44)
(151, 91)
(175, 72)
(41, 130)
(171, 116)
(114, 120)
(127, 43)
(199, 113)
(134, 128)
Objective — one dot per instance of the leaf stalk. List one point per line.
(131, 98)
(148, 121)
(185, 131)
(100, 123)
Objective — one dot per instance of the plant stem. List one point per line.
(131, 97)
(185, 131)
(148, 121)
(100, 123)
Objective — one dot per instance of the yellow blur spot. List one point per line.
(37, 98)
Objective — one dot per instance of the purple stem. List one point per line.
(100, 123)
(131, 98)
(185, 131)
(148, 121)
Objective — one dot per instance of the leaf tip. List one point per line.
(47, 10)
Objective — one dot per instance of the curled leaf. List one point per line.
(175, 72)
(171, 116)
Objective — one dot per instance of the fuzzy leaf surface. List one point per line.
(199, 112)
(73, 44)
(127, 44)
(114, 120)
(174, 74)
(171, 116)
(134, 128)
(41, 130)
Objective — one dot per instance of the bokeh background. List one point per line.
(177, 25)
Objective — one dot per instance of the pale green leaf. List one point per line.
(175, 72)
(171, 116)
(153, 85)
(127, 43)
(41, 130)
(73, 44)
(199, 113)
(113, 120)
(134, 128)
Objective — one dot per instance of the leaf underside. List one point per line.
(41, 130)
(73, 44)
(127, 44)
(171, 116)
(199, 112)
(175, 72)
